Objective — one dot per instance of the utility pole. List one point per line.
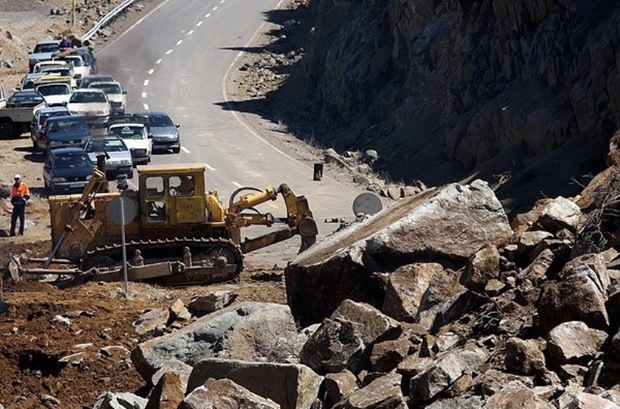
(73, 3)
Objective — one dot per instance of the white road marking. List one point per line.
(146, 82)
(211, 168)
(222, 1)
(214, 8)
(179, 42)
(146, 107)
(144, 95)
(190, 32)
(237, 184)
(151, 71)
(207, 15)
(169, 51)
(198, 24)
(158, 61)
(184, 149)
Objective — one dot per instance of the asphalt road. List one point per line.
(176, 59)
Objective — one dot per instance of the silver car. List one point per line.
(118, 157)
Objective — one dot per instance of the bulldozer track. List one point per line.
(199, 246)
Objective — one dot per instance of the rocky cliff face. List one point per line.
(443, 89)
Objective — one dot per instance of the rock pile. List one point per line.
(435, 302)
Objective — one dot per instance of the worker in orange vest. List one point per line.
(19, 196)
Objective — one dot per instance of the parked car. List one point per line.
(118, 157)
(87, 80)
(67, 171)
(165, 132)
(115, 94)
(24, 99)
(92, 103)
(28, 81)
(68, 131)
(137, 138)
(40, 115)
(55, 93)
(43, 51)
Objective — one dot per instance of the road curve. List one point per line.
(175, 59)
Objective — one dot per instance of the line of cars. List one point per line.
(76, 115)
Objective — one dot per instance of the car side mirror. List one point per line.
(124, 92)
(178, 125)
(150, 136)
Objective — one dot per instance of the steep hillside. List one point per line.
(521, 93)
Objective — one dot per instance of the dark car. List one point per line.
(66, 171)
(24, 99)
(67, 131)
(89, 79)
(87, 56)
(165, 132)
(38, 119)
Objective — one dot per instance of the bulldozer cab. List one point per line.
(172, 194)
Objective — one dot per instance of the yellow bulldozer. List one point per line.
(179, 234)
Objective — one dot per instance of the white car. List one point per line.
(115, 93)
(55, 93)
(91, 103)
(49, 65)
(80, 70)
(137, 138)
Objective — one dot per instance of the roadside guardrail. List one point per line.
(106, 19)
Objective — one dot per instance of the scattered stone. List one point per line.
(529, 240)
(405, 289)
(152, 323)
(589, 401)
(115, 351)
(386, 355)
(178, 312)
(466, 402)
(376, 325)
(560, 213)
(481, 267)
(574, 342)
(201, 305)
(73, 359)
(168, 393)
(173, 365)
(338, 386)
(45, 398)
(110, 400)
(516, 395)
(382, 393)
(289, 385)
(524, 357)
(444, 372)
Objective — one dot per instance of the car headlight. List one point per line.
(89, 177)
(56, 180)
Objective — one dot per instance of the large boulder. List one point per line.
(168, 393)
(224, 393)
(579, 294)
(524, 356)
(338, 386)
(250, 330)
(482, 267)
(445, 225)
(292, 386)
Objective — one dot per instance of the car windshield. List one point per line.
(106, 145)
(73, 161)
(89, 80)
(75, 61)
(87, 97)
(128, 132)
(57, 89)
(73, 124)
(44, 115)
(160, 121)
(65, 72)
(107, 88)
(25, 98)
(45, 48)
